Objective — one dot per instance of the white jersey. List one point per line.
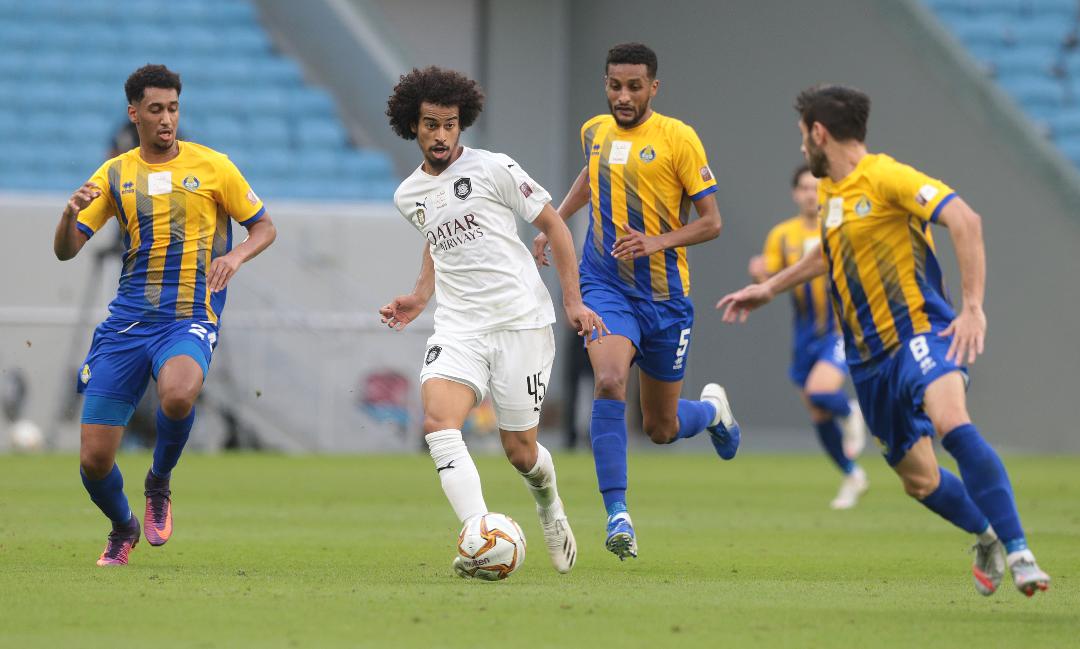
(485, 277)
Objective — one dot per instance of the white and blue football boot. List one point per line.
(723, 430)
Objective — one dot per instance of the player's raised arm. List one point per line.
(969, 328)
(581, 317)
(740, 303)
(403, 309)
(69, 239)
(575, 199)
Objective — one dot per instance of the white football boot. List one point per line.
(558, 537)
(854, 485)
(989, 566)
(1026, 573)
(853, 431)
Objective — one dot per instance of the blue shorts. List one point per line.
(821, 349)
(660, 331)
(124, 355)
(891, 398)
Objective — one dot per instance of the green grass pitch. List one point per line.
(273, 551)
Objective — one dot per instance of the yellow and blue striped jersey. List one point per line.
(643, 178)
(787, 243)
(175, 218)
(887, 285)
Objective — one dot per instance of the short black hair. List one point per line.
(797, 175)
(437, 86)
(842, 110)
(632, 54)
(150, 76)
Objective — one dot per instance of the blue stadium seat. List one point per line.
(1008, 62)
(1033, 92)
(1047, 30)
(317, 133)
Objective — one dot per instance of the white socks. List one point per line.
(541, 479)
(457, 472)
(987, 536)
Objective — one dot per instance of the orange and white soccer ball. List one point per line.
(491, 547)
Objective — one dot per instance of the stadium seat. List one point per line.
(1035, 91)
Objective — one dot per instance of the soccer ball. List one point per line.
(26, 437)
(491, 547)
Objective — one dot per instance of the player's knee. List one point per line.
(919, 486)
(96, 463)
(948, 423)
(661, 432)
(177, 404)
(521, 455)
(818, 415)
(611, 385)
(434, 423)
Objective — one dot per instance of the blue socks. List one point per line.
(694, 416)
(108, 495)
(832, 441)
(608, 433)
(951, 501)
(172, 434)
(834, 402)
(987, 483)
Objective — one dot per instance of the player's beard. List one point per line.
(633, 121)
(816, 161)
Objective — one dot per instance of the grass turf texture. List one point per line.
(273, 551)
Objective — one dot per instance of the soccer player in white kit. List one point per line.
(493, 321)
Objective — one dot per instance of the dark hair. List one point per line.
(150, 76)
(437, 86)
(842, 110)
(632, 54)
(799, 171)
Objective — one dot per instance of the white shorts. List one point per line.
(515, 365)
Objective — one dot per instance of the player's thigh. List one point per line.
(945, 402)
(659, 404)
(918, 469)
(181, 355)
(611, 358)
(117, 368)
(894, 419)
(825, 377)
(665, 338)
(453, 379)
(520, 371)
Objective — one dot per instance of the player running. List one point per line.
(173, 201)
(493, 321)
(642, 172)
(906, 347)
(817, 359)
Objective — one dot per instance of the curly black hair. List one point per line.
(437, 86)
(633, 54)
(150, 76)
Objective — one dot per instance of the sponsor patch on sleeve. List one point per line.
(706, 173)
(926, 194)
(526, 190)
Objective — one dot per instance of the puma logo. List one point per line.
(449, 465)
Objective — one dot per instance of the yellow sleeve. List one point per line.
(691, 165)
(240, 201)
(98, 212)
(914, 191)
(774, 251)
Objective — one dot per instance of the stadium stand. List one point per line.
(240, 96)
(1031, 48)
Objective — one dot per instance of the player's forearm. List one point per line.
(705, 227)
(810, 266)
(966, 233)
(577, 197)
(565, 258)
(425, 282)
(260, 235)
(68, 240)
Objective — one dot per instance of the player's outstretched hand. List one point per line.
(633, 245)
(83, 196)
(587, 322)
(968, 333)
(402, 310)
(539, 250)
(222, 270)
(740, 303)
